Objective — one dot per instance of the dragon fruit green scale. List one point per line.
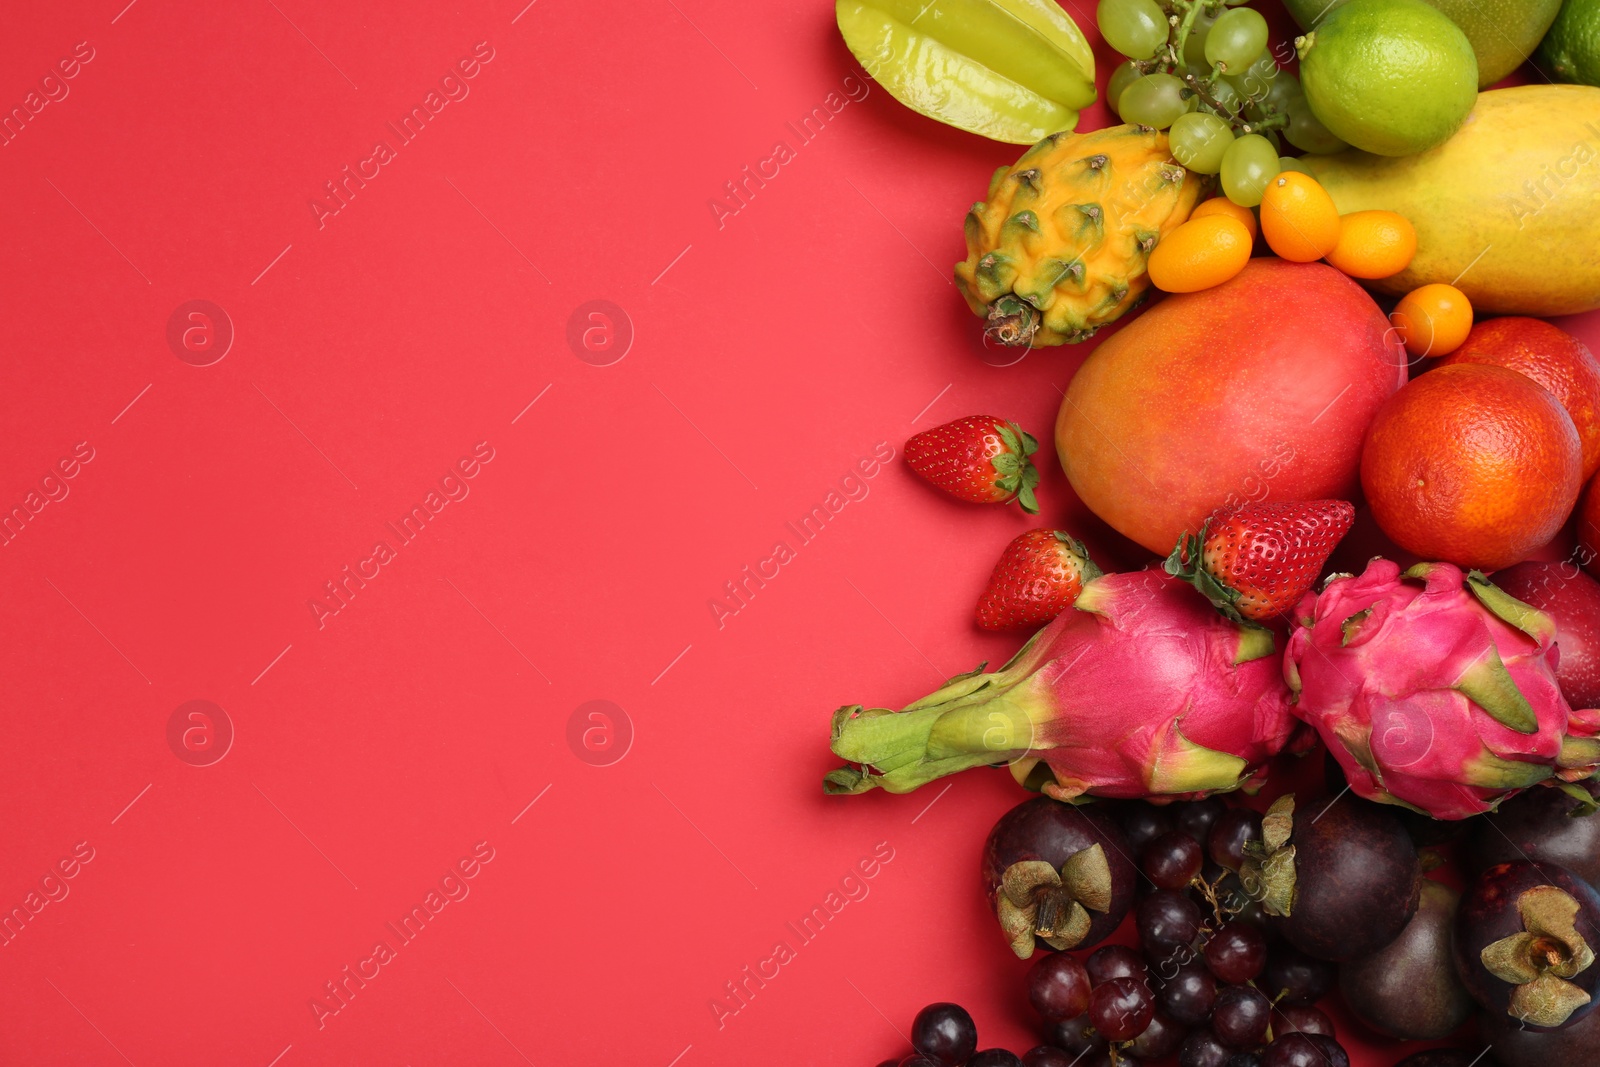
(1140, 689)
(1435, 690)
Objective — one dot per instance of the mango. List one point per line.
(1507, 210)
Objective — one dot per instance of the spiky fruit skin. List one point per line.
(1257, 561)
(1426, 697)
(979, 459)
(1140, 690)
(1058, 247)
(1037, 577)
(1048, 830)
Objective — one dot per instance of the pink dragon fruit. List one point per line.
(1435, 690)
(1141, 689)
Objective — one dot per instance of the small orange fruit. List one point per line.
(1433, 320)
(1298, 218)
(1221, 205)
(1550, 356)
(1374, 244)
(1473, 464)
(1199, 254)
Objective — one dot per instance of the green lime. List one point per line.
(1393, 77)
(1503, 32)
(1571, 50)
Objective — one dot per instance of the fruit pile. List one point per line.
(1215, 974)
(1362, 469)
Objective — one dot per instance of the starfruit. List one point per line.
(1009, 70)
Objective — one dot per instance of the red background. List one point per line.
(374, 351)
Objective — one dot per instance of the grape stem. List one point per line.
(1189, 10)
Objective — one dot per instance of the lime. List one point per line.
(1571, 50)
(1503, 32)
(1393, 77)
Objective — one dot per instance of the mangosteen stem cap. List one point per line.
(1268, 871)
(1035, 900)
(1540, 960)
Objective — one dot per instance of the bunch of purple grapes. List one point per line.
(1205, 982)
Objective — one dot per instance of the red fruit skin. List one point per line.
(1572, 599)
(1258, 389)
(958, 458)
(1550, 356)
(1272, 554)
(1037, 577)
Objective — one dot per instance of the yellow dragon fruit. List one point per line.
(1058, 248)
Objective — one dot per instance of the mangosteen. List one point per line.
(1545, 824)
(1409, 988)
(1450, 1057)
(1337, 879)
(1057, 874)
(1525, 940)
(1516, 1045)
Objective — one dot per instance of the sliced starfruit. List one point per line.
(1010, 70)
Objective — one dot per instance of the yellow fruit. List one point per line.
(1221, 205)
(1507, 205)
(1199, 254)
(1298, 218)
(1058, 248)
(1433, 320)
(1374, 244)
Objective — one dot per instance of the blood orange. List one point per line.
(1472, 464)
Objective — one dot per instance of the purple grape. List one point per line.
(1333, 1053)
(1143, 823)
(1202, 1049)
(1299, 1019)
(1121, 1008)
(1229, 834)
(1167, 919)
(1172, 860)
(1244, 1059)
(1058, 987)
(1077, 1036)
(945, 1033)
(1292, 1050)
(1240, 1017)
(1188, 995)
(1047, 1056)
(1160, 1039)
(1300, 979)
(1198, 816)
(1114, 961)
(1236, 953)
(994, 1057)
(917, 1059)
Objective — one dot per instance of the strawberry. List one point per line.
(1040, 575)
(1255, 561)
(980, 459)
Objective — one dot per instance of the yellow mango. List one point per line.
(1507, 210)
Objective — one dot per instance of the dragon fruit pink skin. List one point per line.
(1435, 690)
(1141, 689)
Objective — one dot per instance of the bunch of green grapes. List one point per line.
(1202, 69)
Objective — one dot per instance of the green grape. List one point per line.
(1247, 166)
(1123, 76)
(1291, 163)
(1194, 46)
(1256, 80)
(1285, 87)
(1154, 100)
(1226, 96)
(1136, 28)
(1307, 133)
(1236, 38)
(1199, 141)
